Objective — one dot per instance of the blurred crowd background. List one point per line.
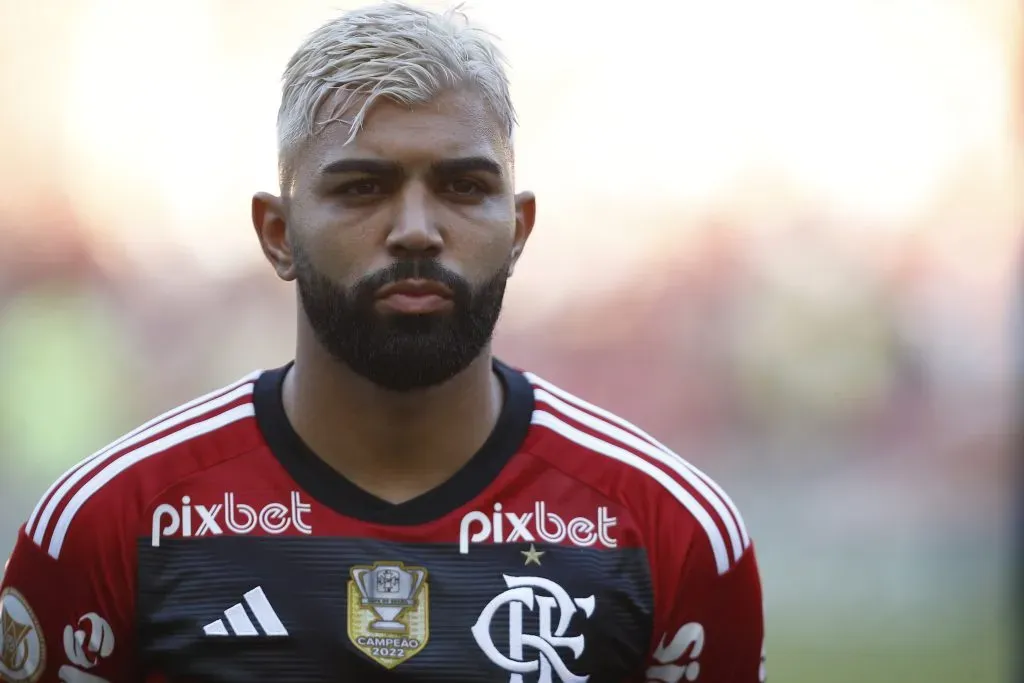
(783, 236)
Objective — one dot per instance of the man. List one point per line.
(395, 504)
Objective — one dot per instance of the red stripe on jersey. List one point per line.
(619, 440)
(66, 487)
(170, 442)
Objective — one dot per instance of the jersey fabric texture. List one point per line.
(212, 545)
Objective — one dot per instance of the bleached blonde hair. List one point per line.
(406, 54)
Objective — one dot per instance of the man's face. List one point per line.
(402, 240)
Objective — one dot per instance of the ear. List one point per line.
(526, 212)
(270, 221)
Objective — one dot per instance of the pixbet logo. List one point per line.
(512, 527)
(237, 518)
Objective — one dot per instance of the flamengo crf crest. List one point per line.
(388, 611)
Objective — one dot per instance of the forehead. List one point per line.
(455, 124)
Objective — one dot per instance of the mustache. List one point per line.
(412, 269)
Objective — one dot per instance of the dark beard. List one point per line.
(401, 352)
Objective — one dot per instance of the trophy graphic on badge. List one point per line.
(389, 589)
(388, 611)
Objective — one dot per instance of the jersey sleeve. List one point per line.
(709, 619)
(69, 618)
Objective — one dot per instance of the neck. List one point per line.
(395, 445)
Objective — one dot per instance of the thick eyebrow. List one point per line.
(467, 165)
(367, 166)
(443, 167)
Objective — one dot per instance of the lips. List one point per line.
(414, 288)
(414, 297)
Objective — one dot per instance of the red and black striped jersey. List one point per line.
(210, 544)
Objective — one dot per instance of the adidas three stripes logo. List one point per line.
(237, 618)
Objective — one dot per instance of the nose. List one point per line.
(415, 231)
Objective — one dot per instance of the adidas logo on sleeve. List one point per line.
(237, 621)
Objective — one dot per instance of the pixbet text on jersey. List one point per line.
(538, 525)
(236, 518)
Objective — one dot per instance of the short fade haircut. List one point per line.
(395, 51)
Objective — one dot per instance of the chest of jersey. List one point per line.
(232, 592)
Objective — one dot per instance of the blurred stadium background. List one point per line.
(781, 235)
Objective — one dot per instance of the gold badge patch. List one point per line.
(388, 611)
(22, 650)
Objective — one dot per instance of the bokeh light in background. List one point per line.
(785, 233)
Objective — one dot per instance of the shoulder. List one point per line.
(99, 499)
(672, 497)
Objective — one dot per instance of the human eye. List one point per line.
(364, 187)
(465, 188)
